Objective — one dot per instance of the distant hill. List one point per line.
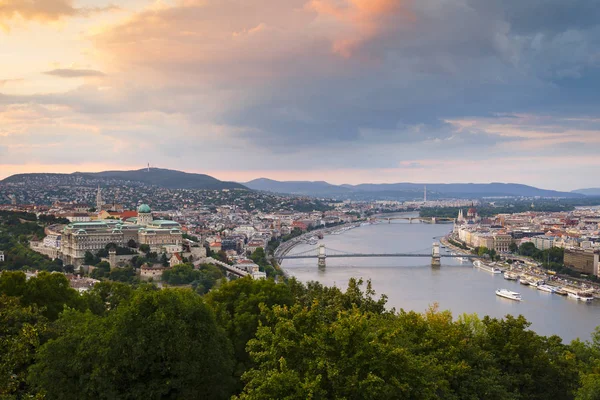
(406, 190)
(164, 178)
(296, 187)
(588, 192)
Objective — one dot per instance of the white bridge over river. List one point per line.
(321, 253)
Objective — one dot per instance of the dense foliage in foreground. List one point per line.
(262, 340)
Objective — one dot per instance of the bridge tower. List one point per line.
(321, 256)
(436, 260)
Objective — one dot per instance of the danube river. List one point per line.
(411, 283)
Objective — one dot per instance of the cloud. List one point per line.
(366, 19)
(378, 84)
(74, 73)
(7, 81)
(44, 10)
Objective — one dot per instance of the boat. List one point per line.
(534, 284)
(581, 296)
(560, 291)
(509, 276)
(507, 294)
(486, 267)
(524, 281)
(546, 288)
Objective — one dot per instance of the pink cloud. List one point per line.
(365, 18)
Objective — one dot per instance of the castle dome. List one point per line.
(144, 209)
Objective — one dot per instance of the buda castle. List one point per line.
(162, 236)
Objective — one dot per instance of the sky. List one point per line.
(346, 91)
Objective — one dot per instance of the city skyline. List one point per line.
(345, 91)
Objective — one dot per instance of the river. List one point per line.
(411, 283)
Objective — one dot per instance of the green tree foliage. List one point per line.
(237, 305)
(48, 291)
(202, 279)
(106, 296)
(101, 270)
(160, 344)
(126, 274)
(22, 329)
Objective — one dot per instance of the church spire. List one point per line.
(99, 200)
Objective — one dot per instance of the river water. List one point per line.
(411, 283)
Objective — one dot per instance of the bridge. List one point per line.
(321, 253)
(229, 268)
(427, 220)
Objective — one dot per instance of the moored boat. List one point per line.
(486, 267)
(509, 276)
(546, 288)
(560, 291)
(524, 281)
(508, 294)
(581, 296)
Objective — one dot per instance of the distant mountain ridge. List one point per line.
(164, 178)
(588, 192)
(405, 190)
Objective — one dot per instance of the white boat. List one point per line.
(509, 276)
(546, 288)
(581, 296)
(508, 294)
(486, 267)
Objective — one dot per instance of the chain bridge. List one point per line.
(427, 220)
(321, 253)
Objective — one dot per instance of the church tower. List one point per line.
(99, 202)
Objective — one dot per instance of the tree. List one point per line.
(125, 274)
(132, 244)
(22, 329)
(355, 356)
(533, 366)
(101, 270)
(237, 305)
(164, 260)
(513, 248)
(90, 259)
(527, 249)
(160, 344)
(50, 292)
(144, 248)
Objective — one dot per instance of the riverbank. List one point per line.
(530, 270)
(285, 247)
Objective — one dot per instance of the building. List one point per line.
(543, 242)
(584, 261)
(77, 238)
(144, 216)
(148, 272)
(81, 237)
(502, 242)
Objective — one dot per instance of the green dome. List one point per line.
(144, 208)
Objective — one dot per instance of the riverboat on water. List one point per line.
(546, 288)
(581, 296)
(509, 276)
(507, 294)
(486, 267)
(560, 291)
